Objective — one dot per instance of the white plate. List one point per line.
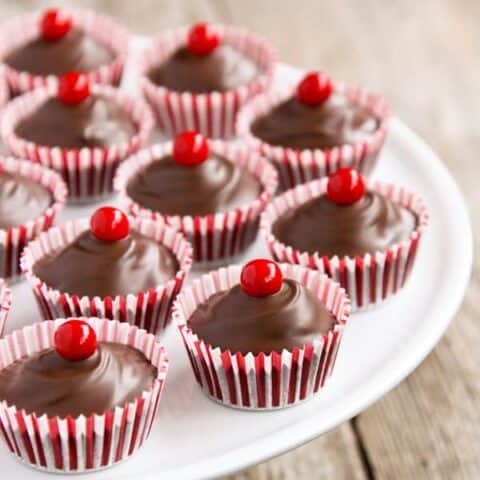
(194, 438)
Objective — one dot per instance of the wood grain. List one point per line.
(424, 57)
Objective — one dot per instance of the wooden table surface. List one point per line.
(424, 56)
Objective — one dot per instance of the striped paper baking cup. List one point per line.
(88, 172)
(13, 240)
(300, 166)
(211, 114)
(80, 444)
(269, 380)
(104, 30)
(368, 279)
(149, 310)
(217, 237)
(5, 304)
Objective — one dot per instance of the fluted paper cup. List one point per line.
(13, 240)
(217, 237)
(269, 380)
(149, 310)
(211, 114)
(297, 166)
(5, 304)
(25, 28)
(368, 279)
(88, 172)
(80, 444)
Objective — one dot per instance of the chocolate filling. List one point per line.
(21, 199)
(217, 185)
(46, 383)
(91, 267)
(336, 122)
(95, 122)
(235, 321)
(75, 51)
(224, 69)
(372, 224)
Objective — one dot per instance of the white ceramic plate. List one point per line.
(195, 439)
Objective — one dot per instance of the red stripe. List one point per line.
(227, 366)
(260, 377)
(25, 437)
(55, 442)
(38, 442)
(136, 425)
(107, 438)
(72, 444)
(293, 375)
(386, 272)
(359, 280)
(121, 435)
(307, 364)
(242, 373)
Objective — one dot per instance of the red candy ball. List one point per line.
(73, 88)
(55, 24)
(345, 186)
(314, 89)
(75, 340)
(203, 39)
(190, 149)
(109, 224)
(261, 277)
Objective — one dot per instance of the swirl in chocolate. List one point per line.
(224, 69)
(92, 267)
(46, 383)
(336, 122)
(21, 199)
(216, 185)
(235, 321)
(95, 122)
(75, 51)
(374, 223)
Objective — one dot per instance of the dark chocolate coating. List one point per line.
(21, 199)
(217, 185)
(91, 267)
(46, 383)
(75, 51)
(336, 122)
(235, 321)
(224, 69)
(372, 224)
(95, 122)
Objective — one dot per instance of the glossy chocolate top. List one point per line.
(224, 69)
(235, 321)
(75, 51)
(46, 383)
(92, 267)
(21, 199)
(95, 122)
(372, 224)
(217, 185)
(336, 122)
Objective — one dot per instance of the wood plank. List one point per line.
(335, 455)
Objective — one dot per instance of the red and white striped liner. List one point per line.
(4, 92)
(104, 30)
(368, 279)
(81, 444)
(13, 240)
(214, 237)
(5, 304)
(300, 166)
(269, 380)
(149, 310)
(88, 172)
(211, 114)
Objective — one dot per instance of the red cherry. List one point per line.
(345, 186)
(314, 89)
(73, 88)
(203, 39)
(109, 224)
(55, 24)
(190, 149)
(75, 340)
(261, 277)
